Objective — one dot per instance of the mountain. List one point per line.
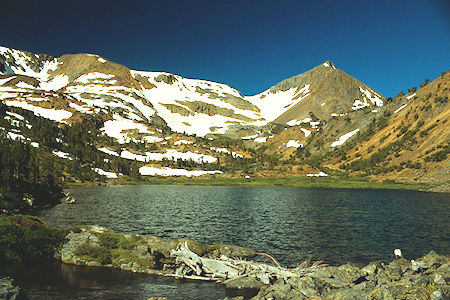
(411, 142)
(92, 84)
(322, 119)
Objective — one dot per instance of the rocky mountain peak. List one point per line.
(329, 64)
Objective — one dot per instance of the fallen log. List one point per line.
(226, 269)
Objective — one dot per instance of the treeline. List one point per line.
(80, 140)
(27, 176)
(35, 175)
(189, 164)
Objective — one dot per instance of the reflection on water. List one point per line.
(60, 281)
(333, 225)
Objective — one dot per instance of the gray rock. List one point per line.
(394, 271)
(438, 295)
(419, 265)
(347, 294)
(305, 285)
(432, 259)
(370, 269)
(439, 279)
(244, 283)
(279, 290)
(347, 273)
(382, 277)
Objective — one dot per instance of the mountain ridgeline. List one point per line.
(98, 119)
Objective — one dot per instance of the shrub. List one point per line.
(25, 238)
(94, 252)
(438, 156)
(108, 240)
(128, 243)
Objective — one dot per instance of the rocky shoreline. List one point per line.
(424, 278)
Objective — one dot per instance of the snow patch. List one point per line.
(373, 98)
(55, 84)
(24, 85)
(183, 142)
(152, 171)
(358, 104)
(306, 120)
(400, 108)
(293, 143)
(338, 115)
(15, 136)
(272, 105)
(320, 174)
(17, 116)
(107, 151)
(306, 131)
(410, 96)
(62, 154)
(250, 137)
(343, 138)
(93, 76)
(57, 115)
(152, 139)
(172, 154)
(261, 140)
(294, 122)
(5, 80)
(105, 173)
(117, 128)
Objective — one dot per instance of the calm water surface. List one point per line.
(333, 225)
(58, 281)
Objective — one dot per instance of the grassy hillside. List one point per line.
(410, 143)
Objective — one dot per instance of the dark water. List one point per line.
(60, 281)
(333, 225)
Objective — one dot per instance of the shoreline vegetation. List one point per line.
(352, 182)
(26, 238)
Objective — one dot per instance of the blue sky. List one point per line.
(249, 45)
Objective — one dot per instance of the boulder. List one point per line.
(394, 271)
(243, 283)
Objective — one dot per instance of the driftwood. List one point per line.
(225, 269)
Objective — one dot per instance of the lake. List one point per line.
(333, 225)
(291, 224)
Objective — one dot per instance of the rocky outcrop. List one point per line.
(425, 278)
(98, 246)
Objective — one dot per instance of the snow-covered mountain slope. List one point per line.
(133, 100)
(138, 105)
(195, 106)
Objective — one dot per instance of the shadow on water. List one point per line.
(60, 281)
